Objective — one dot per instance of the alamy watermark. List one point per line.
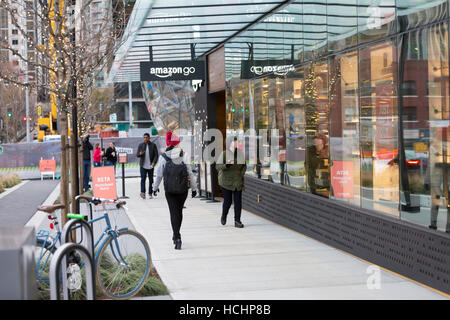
(374, 279)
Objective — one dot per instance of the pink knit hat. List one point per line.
(172, 139)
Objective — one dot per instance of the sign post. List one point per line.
(123, 160)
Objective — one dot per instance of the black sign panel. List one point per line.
(172, 70)
(275, 68)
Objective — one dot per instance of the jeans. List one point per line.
(228, 197)
(144, 174)
(176, 203)
(110, 163)
(87, 173)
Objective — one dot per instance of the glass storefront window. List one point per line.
(295, 130)
(317, 136)
(344, 128)
(368, 126)
(378, 127)
(425, 127)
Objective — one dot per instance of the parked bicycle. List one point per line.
(123, 252)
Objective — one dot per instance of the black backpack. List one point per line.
(175, 176)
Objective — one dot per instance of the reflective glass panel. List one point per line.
(295, 130)
(425, 127)
(378, 127)
(344, 128)
(317, 137)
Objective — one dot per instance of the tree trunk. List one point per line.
(64, 169)
(73, 171)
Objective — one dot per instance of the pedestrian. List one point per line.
(178, 177)
(231, 179)
(111, 155)
(87, 147)
(148, 154)
(97, 156)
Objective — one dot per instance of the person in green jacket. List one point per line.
(231, 179)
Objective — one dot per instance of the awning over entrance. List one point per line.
(171, 27)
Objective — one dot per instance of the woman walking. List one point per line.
(231, 179)
(177, 177)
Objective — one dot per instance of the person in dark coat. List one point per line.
(175, 201)
(111, 155)
(147, 152)
(231, 179)
(87, 147)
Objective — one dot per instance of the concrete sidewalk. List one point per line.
(261, 261)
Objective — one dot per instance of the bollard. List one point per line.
(56, 262)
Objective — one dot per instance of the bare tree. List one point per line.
(78, 39)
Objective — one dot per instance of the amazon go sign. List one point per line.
(172, 70)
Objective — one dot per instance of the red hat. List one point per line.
(172, 139)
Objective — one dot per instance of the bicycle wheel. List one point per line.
(123, 265)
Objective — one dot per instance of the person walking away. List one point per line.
(111, 155)
(87, 147)
(97, 156)
(178, 177)
(148, 154)
(231, 179)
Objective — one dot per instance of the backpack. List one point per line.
(175, 176)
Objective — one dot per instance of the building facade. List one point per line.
(358, 92)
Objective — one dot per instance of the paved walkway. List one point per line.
(261, 261)
(19, 206)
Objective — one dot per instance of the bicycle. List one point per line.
(111, 251)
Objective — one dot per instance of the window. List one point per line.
(378, 123)
(15, 42)
(15, 31)
(425, 129)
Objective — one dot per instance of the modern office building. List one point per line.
(359, 93)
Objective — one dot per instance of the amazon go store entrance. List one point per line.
(362, 114)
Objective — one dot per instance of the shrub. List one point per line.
(1, 185)
(11, 180)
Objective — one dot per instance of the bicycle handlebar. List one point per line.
(97, 201)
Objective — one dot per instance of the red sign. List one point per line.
(342, 179)
(47, 165)
(104, 182)
(122, 158)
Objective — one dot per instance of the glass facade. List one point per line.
(359, 93)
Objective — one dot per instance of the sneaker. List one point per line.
(150, 196)
(142, 195)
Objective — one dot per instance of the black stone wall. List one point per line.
(407, 249)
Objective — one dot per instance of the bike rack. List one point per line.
(58, 257)
(68, 227)
(86, 226)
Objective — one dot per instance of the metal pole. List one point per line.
(27, 100)
(130, 104)
(123, 183)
